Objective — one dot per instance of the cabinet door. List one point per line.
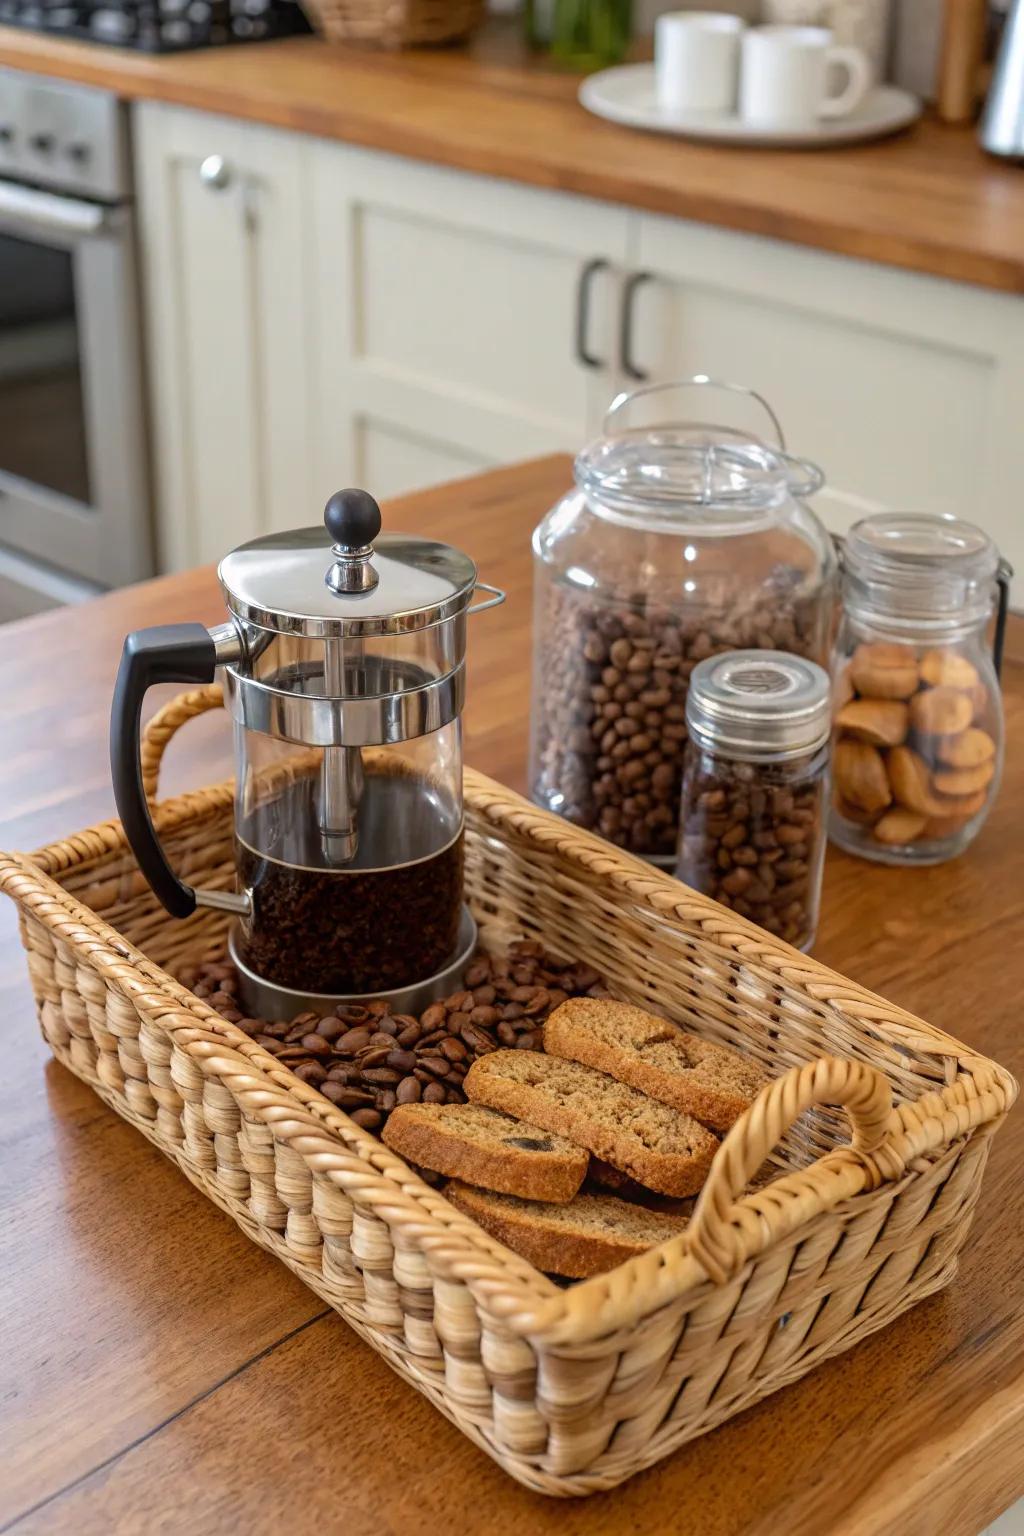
(902, 387)
(447, 316)
(228, 335)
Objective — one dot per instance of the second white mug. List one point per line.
(784, 78)
(697, 60)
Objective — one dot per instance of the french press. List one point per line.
(344, 672)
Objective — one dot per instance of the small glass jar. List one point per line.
(918, 715)
(681, 540)
(755, 788)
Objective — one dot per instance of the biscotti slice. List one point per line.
(603, 1179)
(589, 1235)
(481, 1146)
(655, 1145)
(710, 1082)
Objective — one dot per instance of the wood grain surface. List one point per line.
(929, 200)
(161, 1374)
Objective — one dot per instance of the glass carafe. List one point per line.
(344, 671)
(682, 539)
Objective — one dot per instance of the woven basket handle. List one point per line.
(722, 1233)
(174, 714)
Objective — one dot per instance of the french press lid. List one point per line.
(346, 578)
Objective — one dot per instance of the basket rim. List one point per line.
(520, 1298)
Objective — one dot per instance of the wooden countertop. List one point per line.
(162, 1373)
(929, 200)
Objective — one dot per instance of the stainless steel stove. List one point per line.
(158, 26)
(75, 512)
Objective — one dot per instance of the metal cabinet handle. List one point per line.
(587, 274)
(626, 359)
(215, 173)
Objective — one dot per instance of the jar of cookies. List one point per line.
(683, 538)
(755, 788)
(918, 716)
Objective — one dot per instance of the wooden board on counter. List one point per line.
(930, 201)
(161, 1373)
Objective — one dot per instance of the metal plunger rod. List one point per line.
(341, 775)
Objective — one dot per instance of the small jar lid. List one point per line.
(346, 578)
(916, 567)
(759, 706)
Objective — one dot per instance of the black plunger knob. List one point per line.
(352, 518)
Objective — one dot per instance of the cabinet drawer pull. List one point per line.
(587, 274)
(626, 359)
(215, 173)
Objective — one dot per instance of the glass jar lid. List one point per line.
(919, 567)
(759, 706)
(347, 578)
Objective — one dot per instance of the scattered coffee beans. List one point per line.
(367, 1060)
(753, 838)
(611, 704)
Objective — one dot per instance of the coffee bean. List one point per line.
(354, 1040)
(434, 1093)
(353, 1098)
(330, 1029)
(408, 1091)
(486, 1016)
(310, 1072)
(367, 1119)
(506, 1033)
(403, 1061)
(452, 1049)
(386, 1101)
(381, 1077)
(373, 1056)
(407, 1036)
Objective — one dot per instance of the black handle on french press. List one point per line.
(167, 653)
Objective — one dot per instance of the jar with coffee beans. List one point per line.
(918, 715)
(682, 540)
(755, 788)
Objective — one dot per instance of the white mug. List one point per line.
(784, 77)
(697, 60)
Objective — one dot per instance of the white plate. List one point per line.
(627, 95)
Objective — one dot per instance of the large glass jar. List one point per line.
(681, 540)
(918, 716)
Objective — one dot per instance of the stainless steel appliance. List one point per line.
(75, 511)
(158, 26)
(1002, 125)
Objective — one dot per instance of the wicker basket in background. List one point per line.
(571, 1390)
(394, 23)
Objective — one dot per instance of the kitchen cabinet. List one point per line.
(905, 388)
(223, 229)
(322, 314)
(461, 321)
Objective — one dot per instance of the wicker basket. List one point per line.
(394, 23)
(571, 1390)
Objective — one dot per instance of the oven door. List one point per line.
(73, 477)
